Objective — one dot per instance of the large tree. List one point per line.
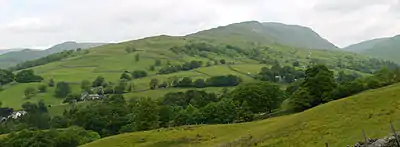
(317, 87)
(260, 97)
(27, 76)
(62, 89)
(145, 115)
(6, 77)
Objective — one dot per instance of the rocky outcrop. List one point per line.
(389, 141)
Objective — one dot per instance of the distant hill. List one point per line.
(271, 32)
(384, 48)
(3, 51)
(9, 59)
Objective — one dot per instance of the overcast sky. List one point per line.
(42, 23)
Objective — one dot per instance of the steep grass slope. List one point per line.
(338, 123)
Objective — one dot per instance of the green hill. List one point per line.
(292, 35)
(244, 52)
(384, 48)
(338, 123)
(13, 58)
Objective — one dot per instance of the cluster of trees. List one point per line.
(114, 115)
(49, 59)
(184, 67)
(134, 75)
(24, 76)
(187, 82)
(320, 86)
(276, 73)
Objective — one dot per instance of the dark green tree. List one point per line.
(6, 77)
(30, 92)
(260, 97)
(200, 83)
(42, 88)
(27, 76)
(62, 89)
(99, 81)
(86, 86)
(51, 83)
(137, 57)
(126, 76)
(153, 84)
(146, 115)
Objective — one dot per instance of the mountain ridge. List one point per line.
(385, 48)
(272, 32)
(12, 58)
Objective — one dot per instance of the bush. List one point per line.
(42, 88)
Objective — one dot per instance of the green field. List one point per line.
(338, 123)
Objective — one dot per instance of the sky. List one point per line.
(43, 23)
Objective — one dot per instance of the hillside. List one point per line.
(243, 58)
(13, 58)
(384, 48)
(337, 123)
(269, 32)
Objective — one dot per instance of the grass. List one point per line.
(338, 123)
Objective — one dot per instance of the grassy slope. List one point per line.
(338, 123)
(111, 60)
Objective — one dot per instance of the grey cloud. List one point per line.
(120, 20)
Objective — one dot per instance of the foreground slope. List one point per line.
(384, 48)
(338, 123)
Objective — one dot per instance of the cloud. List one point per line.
(48, 22)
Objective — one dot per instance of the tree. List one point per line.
(85, 86)
(99, 81)
(145, 115)
(260, 97)
(316, 88)
(222, 112)
(320, 82)
(130, 49)
(125, 76)
(6, 77)
(152, 68)
(51, 83)
(30, 92)
(72, 98)
(222, 81)
(42, 88)
(27, 76)
(139, 74)
(62, 89)
(131, 86)
(120, 88)
(137, 57)
(200, 83)
(208, 64)
(222, 61)
(153, 84)
(185, 82)
(157, 62)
